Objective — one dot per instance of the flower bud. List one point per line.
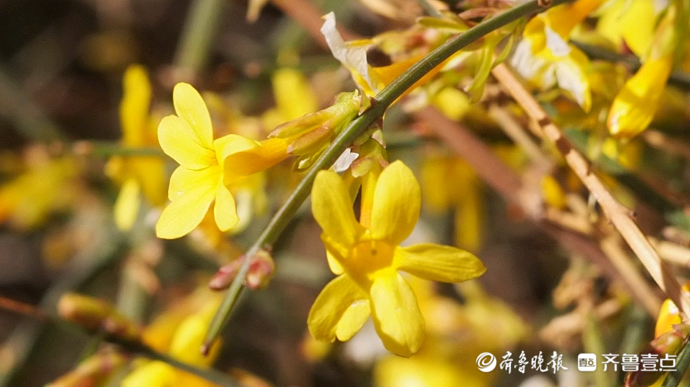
(312, 132)
(92, 371)
(97, 315)
(261, 270)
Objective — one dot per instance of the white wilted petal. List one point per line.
(352, 57)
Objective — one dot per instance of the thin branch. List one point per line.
(309, 16)
(134, 348)
(682, 362)
(378, 107)
(429, 8)
(666, 143)
(616, 212)
(506, 182)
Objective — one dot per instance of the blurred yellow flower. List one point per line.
(637, 102)
(366, 257)
(48, 185)
(631, 22)
(465, 198)
(207, 166)
(669, 314)
(184, 346)
(137, 175)
(456, 335)
(545, 58)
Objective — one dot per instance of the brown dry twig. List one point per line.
(616, 212)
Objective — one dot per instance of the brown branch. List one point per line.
(22, 308)
(507, 183)
(616, 212)
(309, 16)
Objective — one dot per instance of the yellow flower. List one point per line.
(137, 174)
(367, 258)
(545, 58)
(669, 315)
(465, 198)
(631, 22)
(184, 346)
(638, 100)
(207, 166)
(47, 186)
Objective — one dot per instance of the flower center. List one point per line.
(370, 256)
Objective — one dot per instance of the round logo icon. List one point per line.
(486, 362)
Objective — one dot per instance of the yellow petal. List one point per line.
(187, 341)
(332, 209)
(178, 141)
(150, 173)
(153, 374)
(225, 210)
(353, 319)
(190, 106)
(330, 306)
(263, 155)
(231, 144)
(184, 181)
(632, 21)
(187, 208)
(293, 94)
(333, 264)
(438, 263)
(397, 202)
(638, 100)
(134, 108)
(127, 205)
(397, 318)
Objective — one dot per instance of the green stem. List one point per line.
(107, 149)
(358, 126)
(209, 374)
(198, 36)
(674, 378)
(428, 8)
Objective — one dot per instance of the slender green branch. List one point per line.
(429, 8)
(24, 113)
(199, 34)
(142, 350)
(682, 362)
(107, 149)
(379, 105)
(130, 347)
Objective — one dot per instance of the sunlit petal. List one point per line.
(178, 141)
(438, 263)
(397, 202)
(127, 205)
(190, 106)
(353, 319)
(134, 108)
(225, 210)
(185, 180)
(184, 213)
(396, 315)
(332, 209)
(330, 306)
